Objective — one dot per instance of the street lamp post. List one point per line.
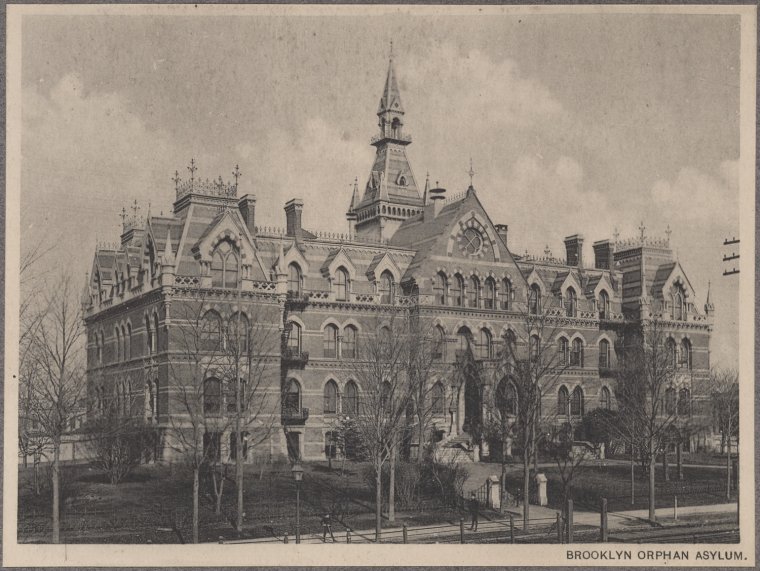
(297, 472)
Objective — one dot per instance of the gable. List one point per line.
(381, 263)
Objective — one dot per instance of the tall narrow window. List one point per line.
(439, 344)
(685, 356)
(571, 302)
(563, 401)
(576, 402)
(441, 288)
(331, 397)
(211, 332)
(232, 395)
(564, 351)
(348, 351)
(148, 336)
(351, 399)
(670, 400)
(464, 337)
(576, 354)
(212, 396)
(341, 285)
(506, 398)
(605, 399)
(294, 337)
(604, 354)
(292, 400)
(437, 400)
(129, 340)
(294, 279)
(671, 350)
(534, 300)
(604, 305)
(385, 342)
(486, 347)
(457, 291)
(117, 348)
(678, 309)
(684, 402)
(387, 287)
(224, 266)
(489, 294)
(506, 294)
(535, 348)
(156, 344)
(473, 292)
(330, 342)
(238, 328)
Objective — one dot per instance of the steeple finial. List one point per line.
(391, 54)
(427, 188)
(471, 172)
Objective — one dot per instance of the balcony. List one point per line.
(295, 358)
(297, 300)
(393, 136)
(292, 416)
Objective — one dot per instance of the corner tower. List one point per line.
(391, 194)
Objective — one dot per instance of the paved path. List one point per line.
(540, 516)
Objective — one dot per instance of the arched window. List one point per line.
(129, 340)
(506, 294)
(238, 333)
(156, 344)
(457, 291)
(535, 348)
(489, 294)
(294, 279)
(438, 399)
(211, 332)
(571, 303)
(149, 400)
(506, 398)
(604, 354)
(224, 266)
(605, 399)
(563, 351)
(330, 342)
(464, 337)
(510, 344)
(684, 402)
(331, 397)
(441, 288)
(386, 396)
(534, 300)
(212, 396)
(678, 306)
(485, 345)
(292, 400)
(294, 337)
(473, 292)
(671, 350)
(576, 402)
(685, 356)
(576, 355)
(387, 288)
(341, 285)
(117, 349)
(385, 341)
(351, 399)
(148, 336)
(604, 305)
(563, 401)
(348, 351)
(98, 349)
(439, 344)
(670, 400)
(232, 388)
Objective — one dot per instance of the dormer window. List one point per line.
(341, 285)
(224, 266)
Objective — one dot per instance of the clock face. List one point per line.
(472, 241)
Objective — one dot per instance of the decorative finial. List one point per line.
(642, 228)
(471, 172)
(123, 215)
(547, 252)
(237, 174)
(176, 180)
(668, 232)
(192, 168)
(135, 208)
(615, 234)
(391, 56)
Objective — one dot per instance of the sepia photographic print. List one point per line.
(379, 285)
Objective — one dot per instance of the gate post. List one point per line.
(569, 521)
(603, 530)
(461, 530)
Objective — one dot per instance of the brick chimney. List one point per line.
(293, 210)
(574, 249)
(603, 255)
(501, 230)
(247, 206)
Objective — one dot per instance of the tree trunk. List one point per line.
(378, 497)
(526, 487)
(219, 491)
(56, 492)
(679, 460)
(503, 474)
(728, 467)
(652, 463)
(666, 473)
(421, 441)
(239, 474)
(36, 474)
(196, 486)
(633, 482)
(392, 487)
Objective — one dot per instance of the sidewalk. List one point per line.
(540, 516)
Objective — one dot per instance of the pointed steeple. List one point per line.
(355, 198)
(709, 307)
(390, 100)
(168, 257)
(427, 188)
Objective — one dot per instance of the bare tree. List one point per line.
(382, 371)
(568, 458)
(645, 393)
(724, 394)
(56, 384)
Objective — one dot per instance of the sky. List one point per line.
(575, 123)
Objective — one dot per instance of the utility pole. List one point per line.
(732, 256)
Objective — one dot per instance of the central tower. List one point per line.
(391, 194)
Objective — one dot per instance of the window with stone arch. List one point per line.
(294, 279)
(603, 305)
(458, 291)
(464, 338)
(489, 294)
(670, 400)
(292, 397)
(439, 344)
(211, 332)
(576, 353)
(351, 399)
(294, 337)
(684, 402)
(605, 399)
(507, 293)
(225, 265)
(506, 398)
(576, 402)
(330, 341)
(238, 334)
(438, 399)
(486, 344)
(212, 396)
(387, 288)
(473, 292)
(156, 344)
(534, 300)
(341, 284)
(571, 302)
(563, 401)
(671, 350)
(348, 351)
(534, 348)
(148, 336)
(331, 397)
(117, 348)
(441, 288)
(604, 354)
(563, 351)
(679, 306)
(129, 340)
(685, 354)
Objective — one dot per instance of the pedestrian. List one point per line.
(474, 508)
(327, 526)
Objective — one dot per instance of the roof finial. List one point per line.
(391, 56)
(615, 234)
(236, 173)
(471, 172)
(668, 232)
(642, 228)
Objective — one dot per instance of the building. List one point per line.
(319, 293)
